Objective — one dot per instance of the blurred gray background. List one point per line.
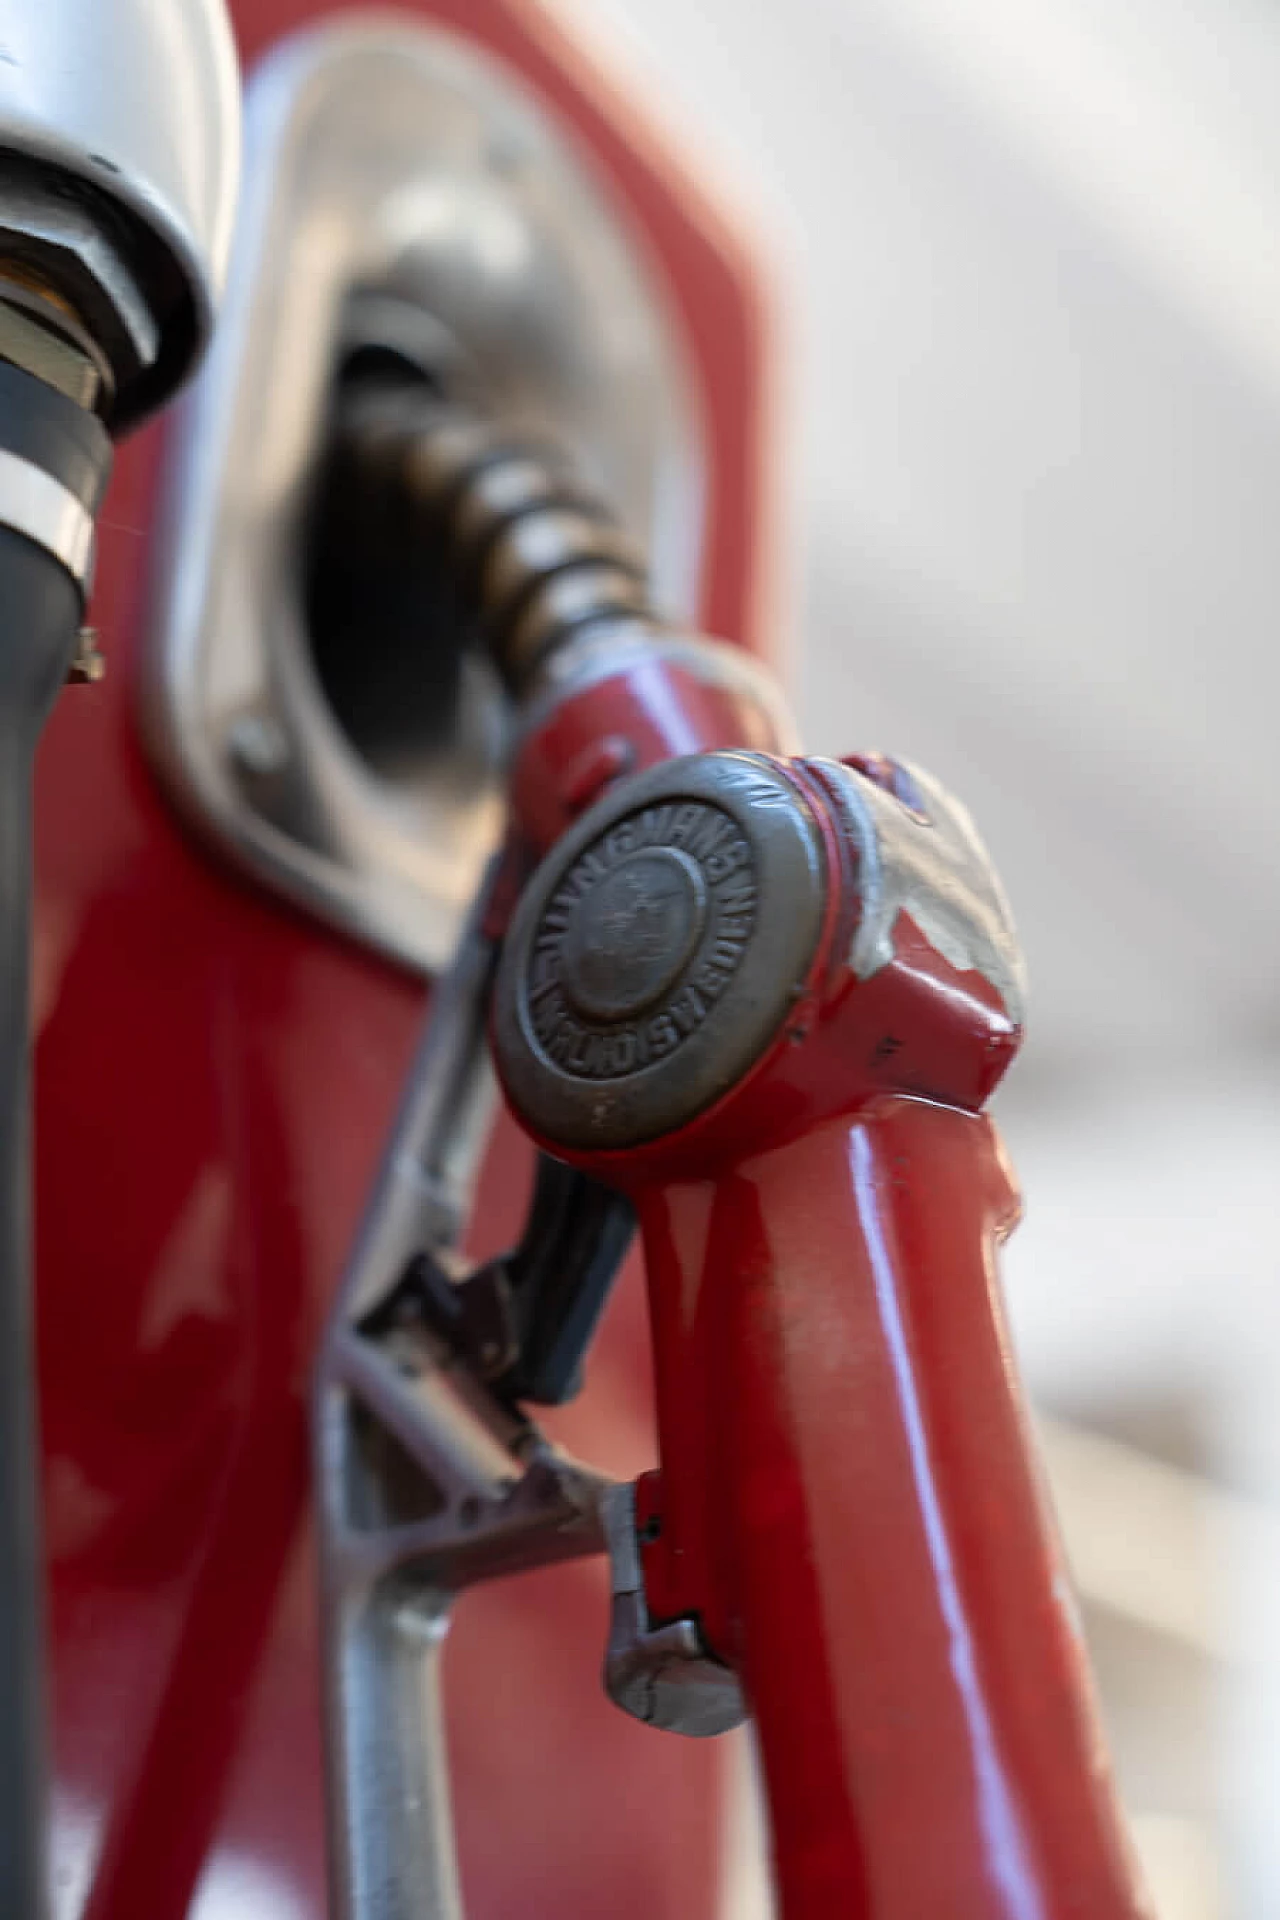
(1026, 254)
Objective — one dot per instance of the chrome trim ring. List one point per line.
(40, 508)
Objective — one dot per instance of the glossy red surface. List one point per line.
(848, 1498)
(878, 1553)
(650, 711)
(215, 1077)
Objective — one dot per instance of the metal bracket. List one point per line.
(664, 1674)
(426, 1482)
(429, 1483)
(396, 163)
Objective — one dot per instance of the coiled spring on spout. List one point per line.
(511, 547)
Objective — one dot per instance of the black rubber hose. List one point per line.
(40, 613)
(39, 621)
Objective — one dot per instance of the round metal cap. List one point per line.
(141, 102)
(658, 951)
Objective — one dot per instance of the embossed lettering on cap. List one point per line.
(640, 939)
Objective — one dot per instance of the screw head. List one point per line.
(88, 665)
(258, 743)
